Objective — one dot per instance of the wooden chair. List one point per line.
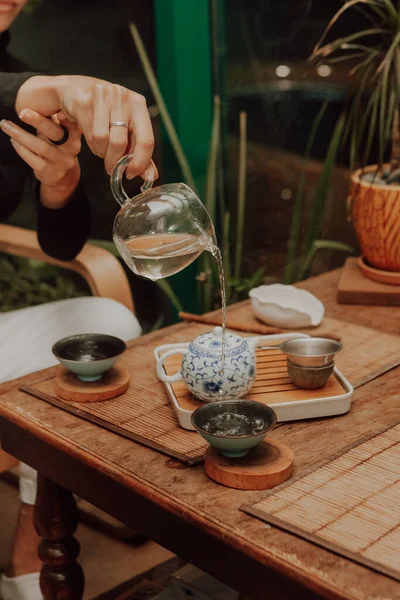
(102, 271)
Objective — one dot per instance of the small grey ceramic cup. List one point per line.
(89, 355)
(234, 446)
(309, 378)
(311, 351)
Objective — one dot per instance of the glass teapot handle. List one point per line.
(117, 187)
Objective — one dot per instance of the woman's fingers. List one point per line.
(74, 144)
(43, 125)
(142, 142)
(30, 141)
(50, 163)
(151, 173)
(95, 104)
(38, 164)
(119, 128)
(79, 105)
(102, 103)
(51, 130)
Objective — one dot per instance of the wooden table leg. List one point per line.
(56, 520)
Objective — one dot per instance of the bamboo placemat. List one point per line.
(349, 505)
(272, 384)
(143, 413)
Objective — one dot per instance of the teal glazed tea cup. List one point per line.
(89, 355)
(231, 445)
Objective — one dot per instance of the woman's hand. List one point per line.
(56, 167)
(95, 105)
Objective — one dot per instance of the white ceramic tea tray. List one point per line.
(293, 410)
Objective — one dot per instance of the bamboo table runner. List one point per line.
(350, 505)
(144, 412)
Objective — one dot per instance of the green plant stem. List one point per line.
(241, 193)
(372, 123)
(205, 263)
(226, 252)
(296, 218)
(321, 194)
(212, 168)
(169, 126)
(320, 245)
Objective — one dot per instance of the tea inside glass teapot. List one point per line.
(163, 229)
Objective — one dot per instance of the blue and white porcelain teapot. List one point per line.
(201, 366)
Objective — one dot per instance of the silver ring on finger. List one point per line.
(119, 124)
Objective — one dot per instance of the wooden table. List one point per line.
(178, 506)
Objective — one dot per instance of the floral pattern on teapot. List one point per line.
(202, 367)
(205, 379)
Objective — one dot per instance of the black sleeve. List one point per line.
(62, 232)
(9, 86)
(13, 170)
(12, 181)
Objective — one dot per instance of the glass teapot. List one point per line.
(163, 229)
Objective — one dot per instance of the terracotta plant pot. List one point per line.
(376, 217)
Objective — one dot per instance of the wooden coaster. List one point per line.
(112, 384)
(355, 288)
(264, 467)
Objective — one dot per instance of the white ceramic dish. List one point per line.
(285, 411)
(286, 306)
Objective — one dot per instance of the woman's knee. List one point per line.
(102, 315)
(115, 317)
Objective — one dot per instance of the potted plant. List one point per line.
(372, 124)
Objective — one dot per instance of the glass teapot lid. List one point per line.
(212, 341)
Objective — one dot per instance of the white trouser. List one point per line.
(27, 336)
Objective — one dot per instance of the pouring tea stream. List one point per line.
(162, 230)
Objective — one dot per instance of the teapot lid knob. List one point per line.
(218, 331)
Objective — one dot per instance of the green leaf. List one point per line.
(390, 113)
(319, 245)
(166, 287)
(367, 15)
(391, 10)
(386, 65)
(374, 102)
(158, 324)
(344, 43)
(344, 8)
(338, 59)
(368, 63)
